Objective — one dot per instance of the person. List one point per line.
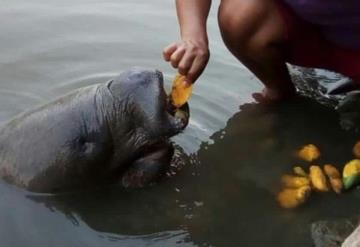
(264, 35)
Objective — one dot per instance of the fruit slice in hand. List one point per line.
(181, 91)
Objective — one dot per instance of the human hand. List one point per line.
(190, 57)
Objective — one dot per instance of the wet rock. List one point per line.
(318, 84)
(333, 233)
(349, 112)
(354, 239)
(332, 90)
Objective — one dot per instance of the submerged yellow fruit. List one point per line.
(300, 171)
(181, 91)
(351, 174)
(291, 198)
(294, 181)
(309, 153)
(337, 185)
(334, 178)
(331, 171)
(318, 179)
(356, 150)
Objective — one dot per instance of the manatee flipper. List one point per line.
(147, 169)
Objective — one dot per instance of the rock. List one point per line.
(332, 90)
(353, 240)
(349, 113)
(332, 233)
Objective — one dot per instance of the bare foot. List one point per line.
(269, 96)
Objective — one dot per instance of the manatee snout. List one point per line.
(161, 120)
(180, 116)
(147, 87)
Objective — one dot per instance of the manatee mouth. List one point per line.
(181, 115)
(178, 117)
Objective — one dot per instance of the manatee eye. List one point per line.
(81, 141)
(85, 146)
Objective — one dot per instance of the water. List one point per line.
(225, 196)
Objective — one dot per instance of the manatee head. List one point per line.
(141, 122)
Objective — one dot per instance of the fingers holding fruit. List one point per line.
(189, 57)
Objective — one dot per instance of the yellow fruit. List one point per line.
(294, 181)
(291, 198)
(318, 179)
(331, 171)
(181, 91)
(351, 168)
(351, 174)
(334, 178)
(337, 185)
(299, 171)
(356, 150)
(309, 153)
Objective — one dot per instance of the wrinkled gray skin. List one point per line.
(111, 133)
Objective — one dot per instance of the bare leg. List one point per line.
(253, 31)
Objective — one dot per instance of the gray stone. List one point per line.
(332, 233)
(353, 240)
(332, 90)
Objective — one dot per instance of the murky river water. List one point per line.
(225, 196)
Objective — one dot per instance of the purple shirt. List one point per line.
(338, 20)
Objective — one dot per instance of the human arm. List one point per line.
(191, 54)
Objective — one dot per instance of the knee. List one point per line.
(248, 27)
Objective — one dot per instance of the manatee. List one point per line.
(110, 133)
